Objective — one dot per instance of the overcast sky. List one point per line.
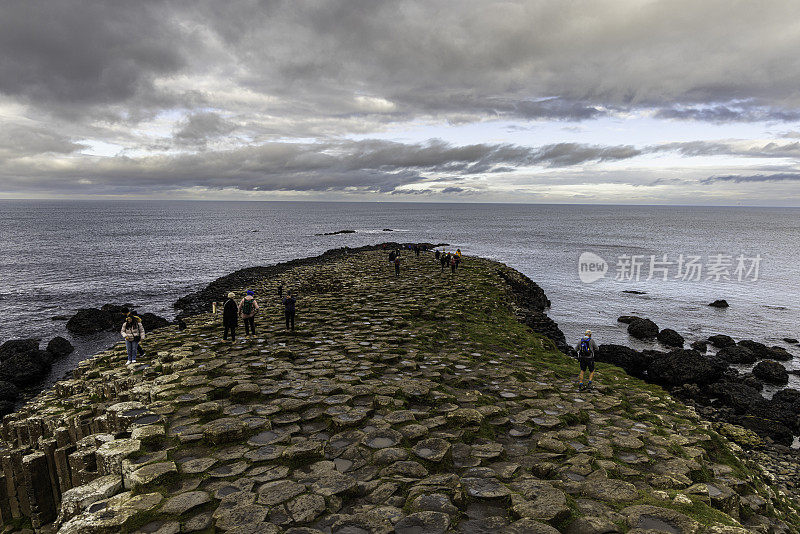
(679, 102)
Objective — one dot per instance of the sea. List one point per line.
(595, 263)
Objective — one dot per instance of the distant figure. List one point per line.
(139, 348)
(416, 250)
(437, 254)
(397, 266)
(288, 310)
(458, 252)
(181, 324)
(280, 290)
(392, 256)
(133, 332)
(247, 309)
(453, 264)
(586, 348)
(230, 317)
(444, 261)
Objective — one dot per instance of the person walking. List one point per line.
(288, 310)
(139, 347)
(132, 332)
(453, 264)
(397, 266)
(436, 254)
(586, 349)
(247, 309)
(230, 317)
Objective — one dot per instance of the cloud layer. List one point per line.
(293, 95)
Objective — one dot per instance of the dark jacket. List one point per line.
(288, 304)
(230, 313)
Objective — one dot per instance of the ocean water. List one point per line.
(58, 256)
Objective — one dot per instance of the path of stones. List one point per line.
(364, 421)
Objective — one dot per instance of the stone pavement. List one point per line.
(415, 404)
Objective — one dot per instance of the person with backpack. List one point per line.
(247, 309)
(132, 332)
(397, 265)
(436, 254)
(139, 348)
(586, 349)
(288, 310)
(453, 264)
(230, 317)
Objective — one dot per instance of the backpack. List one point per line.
(584, 351)
(247, 306)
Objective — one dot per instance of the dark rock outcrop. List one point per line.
(634, 363)
(23, 369)
(671, 338)
(642, 329)
(791, 340)
(59, 347)
(736, 395)
(17, 346)
(90, 321)
(151, 321)
(682, 366)
(771, 371)
(627, 319)
(721, 340)
(788, 396)
(737, 354)
(540, 323)
(719, 303)
(780, 354)
(761, 351)
(699, 346)
(8, 391)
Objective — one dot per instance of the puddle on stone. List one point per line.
(264, 437)
(147, 419)
(96, 507)
(381, 442)
(649, 522)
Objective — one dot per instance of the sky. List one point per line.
(618, 101)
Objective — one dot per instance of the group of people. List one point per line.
(446, 259)
(247, 308)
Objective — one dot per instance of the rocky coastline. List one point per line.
(423, 403)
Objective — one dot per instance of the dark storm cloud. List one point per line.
(85, 53)
(198, 128)
(23, 141)
(371, 165)
(779, 177)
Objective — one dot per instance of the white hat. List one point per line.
(231, 295)
(588, 332)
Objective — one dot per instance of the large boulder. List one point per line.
(682, 366)
(91, 320)
(670, 338)
(771, 371)
(27, 368)
(627, 319)
(788, 396)
(632, 361)
(719, 303)
(699, 346)
(761, 351)
(780, 354)
(8, 391)
(736, 395)
(721, 340)
(17, 346)
(737, 354)
(151, 321)
(643, 329)
(59, 347)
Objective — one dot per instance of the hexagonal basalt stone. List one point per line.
(610, 490)
(649, 518)
(432, 449)
(224, 430)
(389, 456)
(245, 518)
(484, 488)
(279, 491)
(434, 502)
(333, 483)
(151, 475)
(206, 409)
(465, 417)
(487, 450)
(406, 468)
(540, 500)
(423, 523)
(382, 438)
(245, 391)
(184, 502)
(196, 465)
(306, 508)
(305, 450)
(531, 526)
